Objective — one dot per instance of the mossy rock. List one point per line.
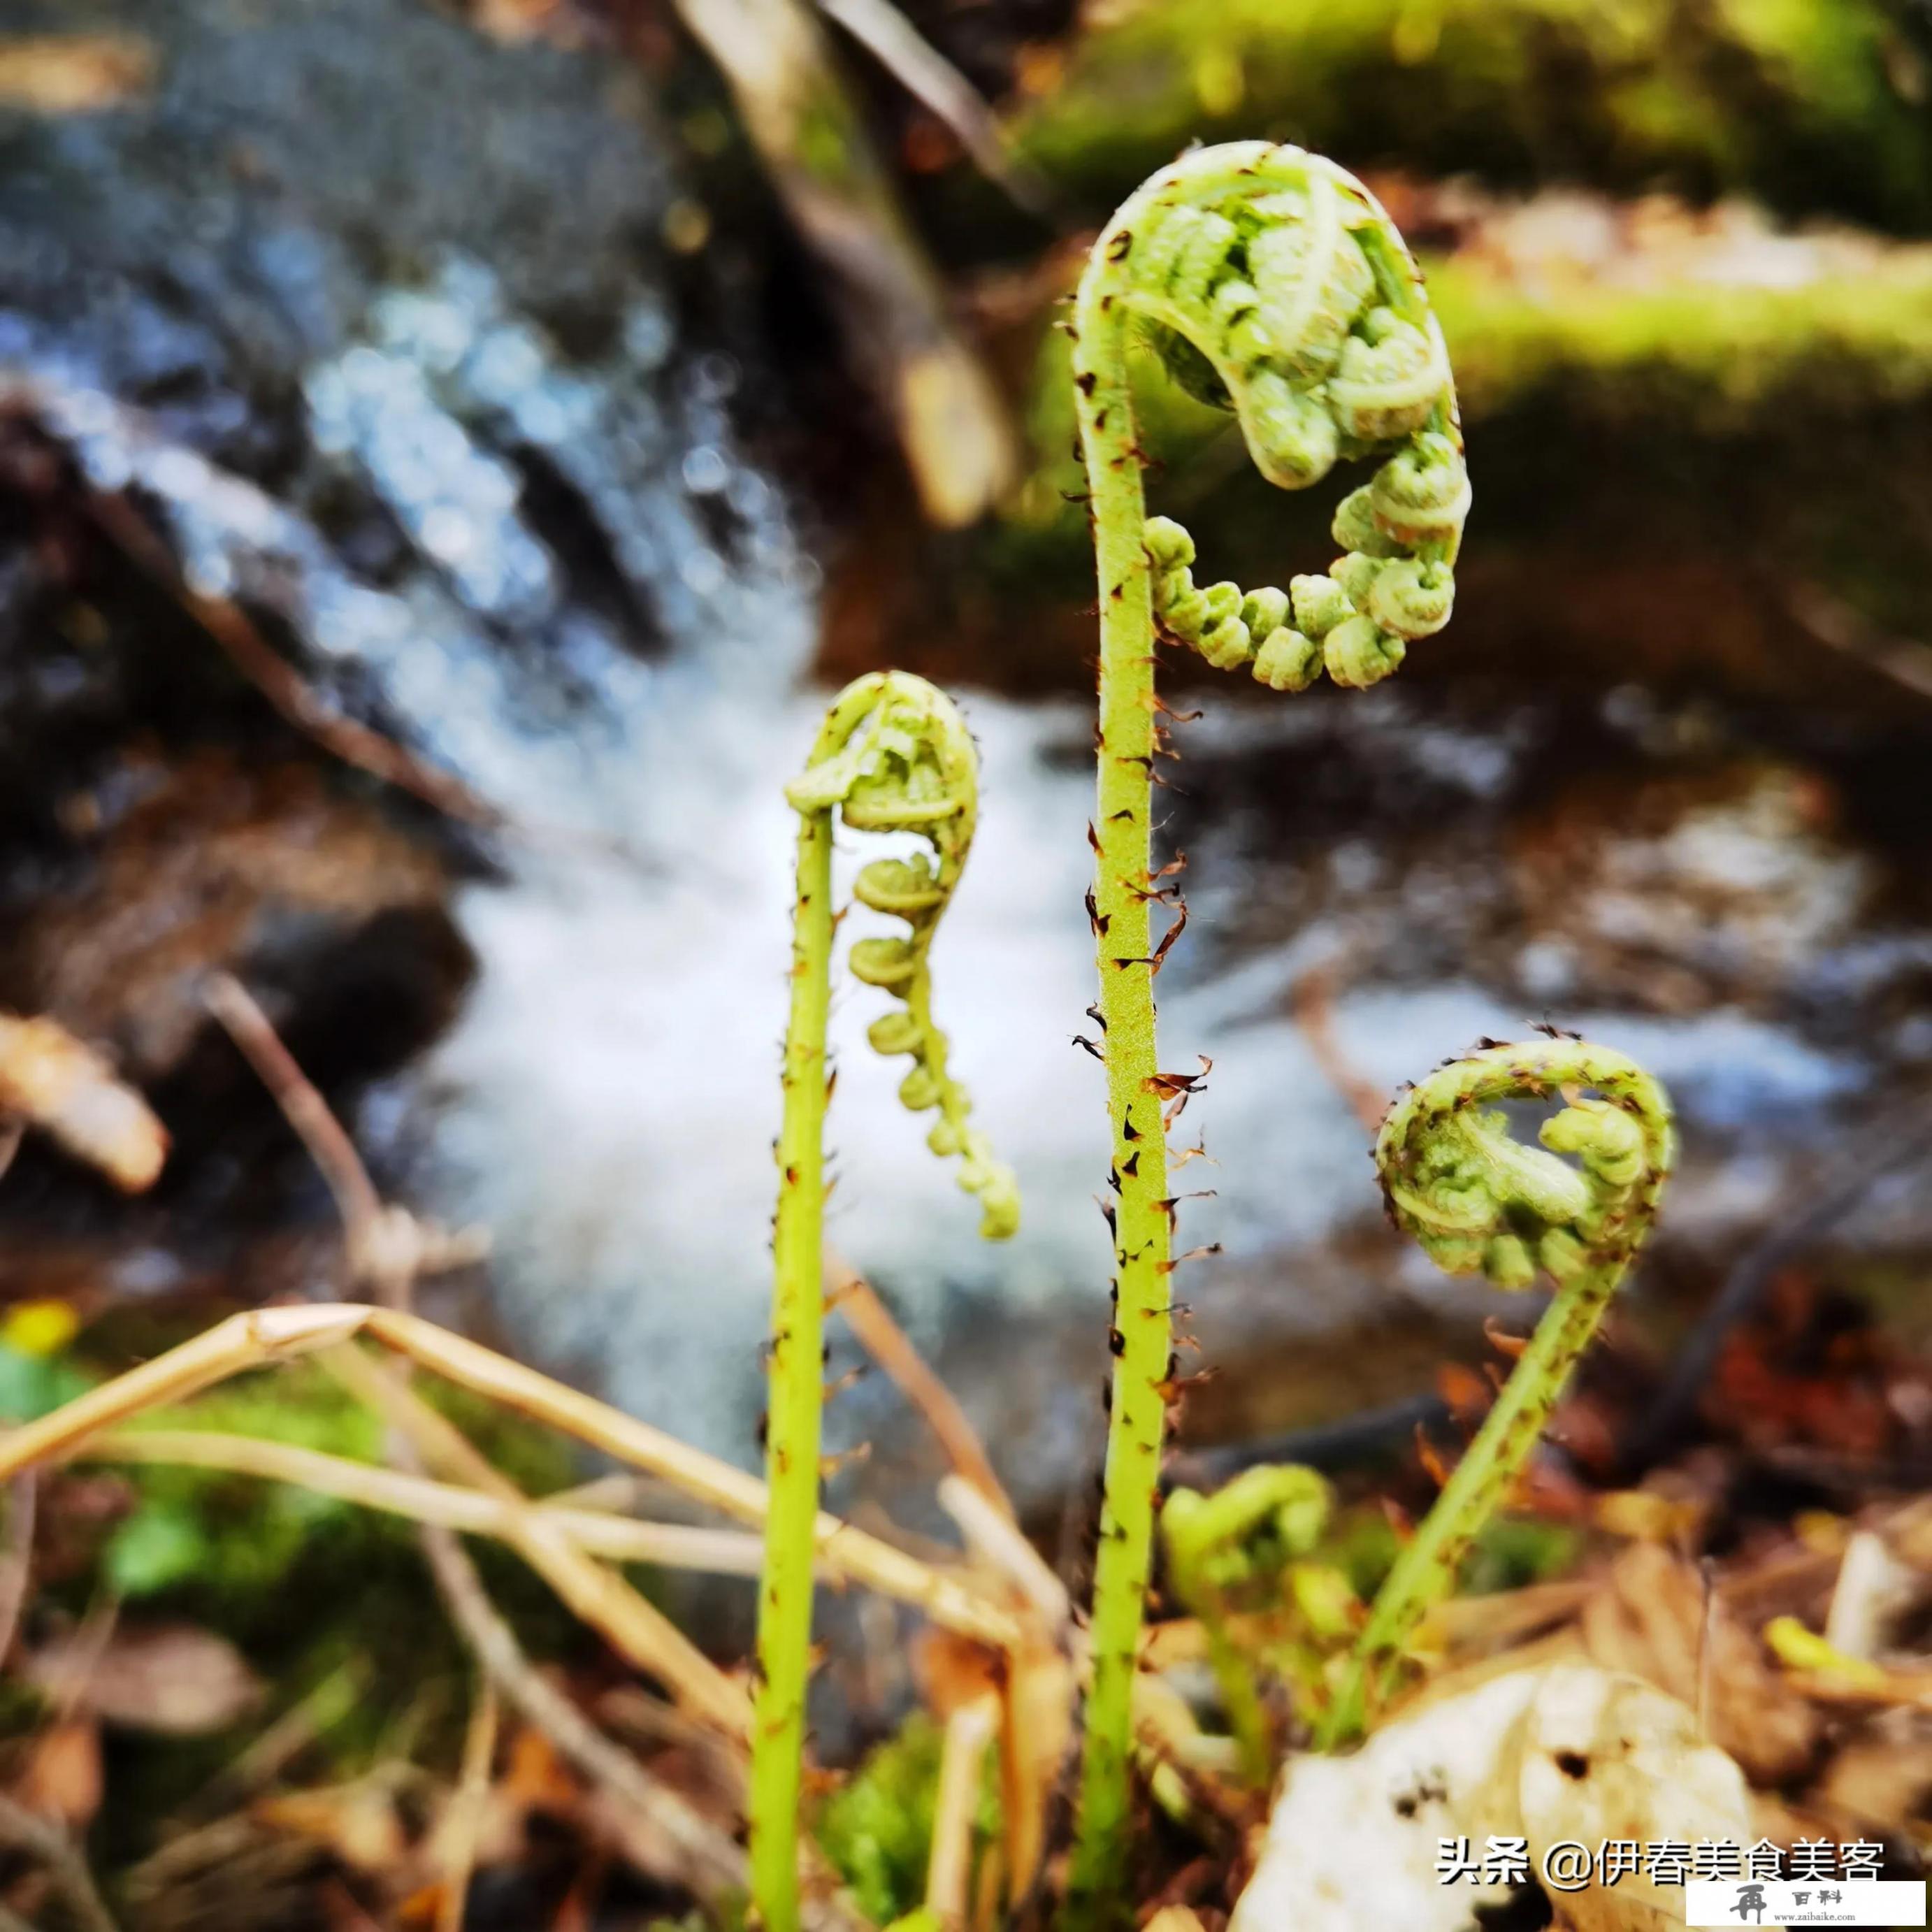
(1810, 105)
(1707, 358)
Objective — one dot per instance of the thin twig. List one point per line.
(278, 681)
(357, 1201)
(949, 1868)
(388, 1248)
(669, 1546)
(259, 1337)
(653, 1826)
(633, 1713)
(952, 423)
(1312, 999)
(55, 1849)
(635, 1628)
(463, 1820)
(888, 1345)
(1831, 621)
(615, 1492)
(17, 1565)
(997, 1541)
(931, 80)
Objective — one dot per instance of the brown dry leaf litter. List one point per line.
(50, 1079)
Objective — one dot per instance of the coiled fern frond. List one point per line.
(1479, 1201)
(1269, 282)
(894, 755)
(1219, 1547)
(1576, 1207)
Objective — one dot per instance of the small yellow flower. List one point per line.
(39, 1328)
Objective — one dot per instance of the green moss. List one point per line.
(1714, 359)
(229, 1542)
(32, 1385)
(1811, 104)
(877, 1828)
(537, 1459)
(313, 1589)
(1513, 1552)
(1363, 1545)
(297, 1404)
(227, 1545)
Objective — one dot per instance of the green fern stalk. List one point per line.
(1478, 1201)
(795, 1395)
(892, 756)
(1269, 281)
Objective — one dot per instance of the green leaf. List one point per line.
(160, 1544)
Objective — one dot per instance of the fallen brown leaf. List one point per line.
(358, 1822)
(53, 1080)
(1035, 1736)
(952, 1671)
(1650, 1619)
(535, 1778)
(171, 1678)
(62, 1778)
(1034, 1683)
(1882, 1782)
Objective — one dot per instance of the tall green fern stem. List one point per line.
(1269, 281)
(1479, 1202)
(1141, 1335)
(892, 756)
(795, 1398)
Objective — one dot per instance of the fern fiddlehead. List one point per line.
(1270, 281)
(1479, 1201)
(1246, 1532)
(892, 756)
